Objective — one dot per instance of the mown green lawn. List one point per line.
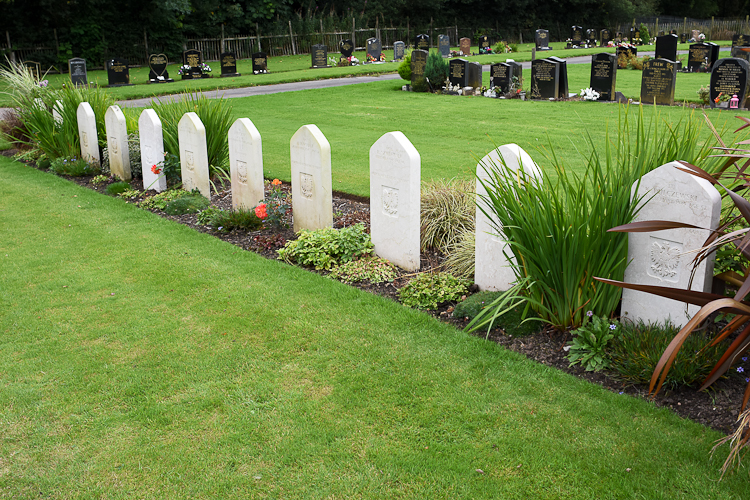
(140, 359)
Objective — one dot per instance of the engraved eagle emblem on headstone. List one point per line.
(665, 260)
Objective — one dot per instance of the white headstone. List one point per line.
(193, 154)
(245, 164)
(57, 110)
(659, 258)
(152, 150)
(117, 143)
(87, 133)
(492, 270)
(312, 197)
(395, 176)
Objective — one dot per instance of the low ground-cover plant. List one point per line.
(429, 290)
(328, 247)
(73, 166)
(160, 200)
(447, 211)
(590, 341)
(373, 269)
(227, 220)
(117, 187)
(188, 203)
(512, 322)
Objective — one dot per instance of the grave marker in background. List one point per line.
(157, 64)
(740, 40)
(666, 48)
(311, 179)
(374, 48)
(228, 62)
(319, 54)
(591, 37)
(576, 35)
(729, 77)
(484, 43)
(604, 75)
(77, 71)
(260, 63)
(465, 46)
(501, 77)
(194, 59)
(658, 82)
(399, 50)
(245, 164)
(563, 76)
(698, 55)
(422, 42)
(541, 40)
(117, 143)
(545, 79)
(152, 151)
(118, 72)
(346, 47)
(444, 44)
(605, 37)
(418, 63)
(34, 68)
(87, 133)
(458, 72)
(475, 75)
(659, 258)
(193, 154)
(395, 176)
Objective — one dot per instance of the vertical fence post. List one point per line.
(222, 45)
(711, 35)
(10, 48)
(291, 37)
(408, 39)
(354, 35)
(145, 43)
(656, 28)
(684, 25)
(257, 32)
(431, 35)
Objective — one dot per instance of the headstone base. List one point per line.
(231, 74)
(544, 48)
(192, 77)
(120, 85)
(166, 80)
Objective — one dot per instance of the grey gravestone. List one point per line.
(418, 63)
(666, 48)
(157, 64)
(374, 48)
(729, 76)
(545, 79)
(444, 44)
(192, 58)
(741, 53)
(34, 68)
(684, 37)
(591, 37)
(604, 75)
(399, 48)
(465, 45)
(77, 70)
(422, 42)
(740, 40)
(658, 81)
(458, 72)
(563, 76)
(484, 43)
(228, 64)
(346, 47)
(698, 55)
(319, 54)
(576, 35)
(501, 77)
(475, 75)
(260, 63)
(118, 72)
(605, 37)
(541, 40)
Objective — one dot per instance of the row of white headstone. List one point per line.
(395, 178)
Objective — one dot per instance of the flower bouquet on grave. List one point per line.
(589, 94)
(485, 50)
(353, 60)
(205, 68)
(184, 70)
(455, 53)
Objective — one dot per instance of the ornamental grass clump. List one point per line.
(447, 211)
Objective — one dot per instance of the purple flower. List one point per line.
(740, 369)
(612, 327)
(589, 313)
(744, 358)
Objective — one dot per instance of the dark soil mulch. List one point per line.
(716, 408)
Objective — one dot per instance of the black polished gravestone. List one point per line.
(260, 63)
(740, 52)
(604, 75)
(714, 53)
(194, 59)
(444, 45)
(157, 65)
(399, 49)
(228, 64)
(484, 43)
(501, 77)
(319, 55)
(666, 48)
(684, 37)
(591, 37)
(605, 36)
(77, 70)
(458, 72)
(118, 72)
(374, 49)
(576, 35)
(545, 79)
(541, 40)
(346, 47)
(422, 42)
(740, 40)
(699, 58)
(418, 63)
(517, 70)
(729, 77)
(563, 72)
(658, 82)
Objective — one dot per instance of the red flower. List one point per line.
(155, 169)
(276, 182)
(260, 211)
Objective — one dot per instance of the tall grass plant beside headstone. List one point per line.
(557, 228)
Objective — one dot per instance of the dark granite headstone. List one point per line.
(605, 36)
(346, 47)
(563, 76)
(193, 58)
(591, 37)
(228, 64)
(34, 68)
(714, 53)
(422, 42)
(444, 44)
(484, 43)
(475, 74)
(458, 72)
(637, 37)
(541, 40)
(604, 75)
(501, 77)
(374, 48)
(319, 55)
(729, 77)
(418, 63)
(545, 79)
(699, 57)
(576, 35)
(741, 53)
(666, 47)
(157, 64)
(517, 71)
(658, 82)
(118, 72)
(77, 70)
(465, 45)
(399, 49)
(674, 32)
(260, 63)
(684, 37)
(740, 40)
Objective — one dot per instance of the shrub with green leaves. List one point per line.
(328, 247)
(404, 69)
(436, 70)
(589, 345)
(190, 203)
(160, 200)
(373, 269)
(117, 187)
(73, 166)
(635, 353)
(447, 211)
(428, 291)
(227, 220)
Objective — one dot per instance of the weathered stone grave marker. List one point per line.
(444, 44)
(117, 143)
(465, 46)
(152, 151)
(193, 154)
(312, 196)
(245, 164)
(87, 133)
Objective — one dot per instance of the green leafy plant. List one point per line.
(328, 247)
(447, 211)
(518, 321)
(589, 345)
(223, 220)
(436, 70)
(73, 166)
(404, 69)
(276, 206)
(117, 187)
(99, 179)
(160, 200)
(428, 291)
(130, 193)
(373, 269)
(190, 203)
(704, 95)
(134, 156)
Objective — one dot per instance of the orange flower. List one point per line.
(155, 169)
(276, 182)
(260, 211)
